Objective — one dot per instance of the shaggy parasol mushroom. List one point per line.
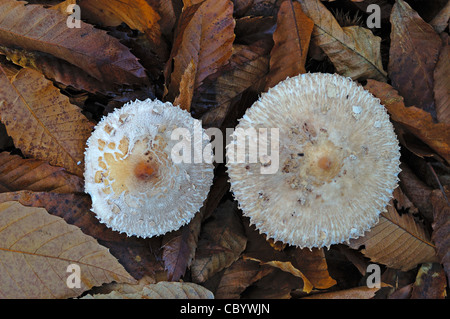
(338, 162)
(135, 185)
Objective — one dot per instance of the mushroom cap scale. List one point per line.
(338, 162)
(135, 186)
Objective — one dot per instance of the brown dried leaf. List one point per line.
(441, 228)
(441, 21)
(42, 122)
(442, 85)
(354, 51)
(397, 242)
(183, 100)
(287, 267)
(161, 290)
(56, 70)
(137, 14)
(34, 28)
(214, 98)
(412, 57)
(178, 247)
(197, 26)
(240, 275)
(36, 248)
(17, 173)
(291, 43)
(222, 240)
(430, 282)
(416, 121)
(416, 190)
(362, 292)
(314, 266)
(132, 252)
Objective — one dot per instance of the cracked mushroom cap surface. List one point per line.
(135, 185)
(338, 161)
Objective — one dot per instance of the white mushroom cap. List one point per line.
(135, 185)
(338, 161)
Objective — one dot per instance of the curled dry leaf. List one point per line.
(442, 85)
(17, 174)
(41, 121)
(198, 25)
(36, 248)
(221, 242)
(137, 14)
(314, 266)
(214, 98)
(178, 247)
(34, 28)
(240, 275)
(441, 227)
(430, 282)
(161, 290)
(441, 21)
(412, 57)
(397, 242)
(354, 51)
(416, 121)
(362, 292)
(55, 69)
(287, 267)
(291, 43)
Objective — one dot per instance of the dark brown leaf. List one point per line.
(199, 24)
(412, 57)
(34, 28)
(291, 43)
(17, 174)
(441, 228)
(430, 282)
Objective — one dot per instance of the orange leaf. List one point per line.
(41, 121)
(291, 43)
(417, 121)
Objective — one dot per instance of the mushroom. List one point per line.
(338, 161)
(135, 185)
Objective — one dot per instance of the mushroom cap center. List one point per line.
(322, 161)
(144, 171)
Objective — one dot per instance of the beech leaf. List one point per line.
(396, 241)
(17, 173)
(36, 249)
(42, 122)
(221, 242)
(161, 290)
(354, 51)
(198, 25)
(416, 121)
(412, 57)
(34, 28)
(441, 227)
(291, 43)
(441, 87)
